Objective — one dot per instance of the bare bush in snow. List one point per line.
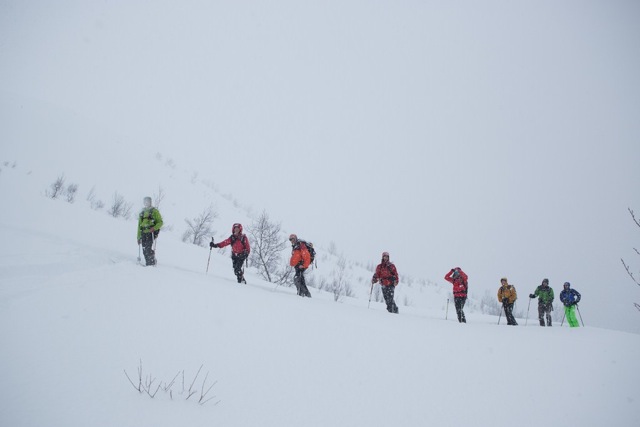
(148, 384)
(199, 228)
(56, 189)
(93, 202)
(71, 192)
(120, 207)
(339, 285)
(267, 247)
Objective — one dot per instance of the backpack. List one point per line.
(243, 240)
(309, 246)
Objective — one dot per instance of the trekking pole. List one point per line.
(529, 306)
(139, 259)
(446, 316)
(580, 315)
(562, 323)
(370, 293)
(210, 249)
(499, 317)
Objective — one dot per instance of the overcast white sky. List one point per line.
(499, 136)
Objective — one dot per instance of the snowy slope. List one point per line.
(76, 311)
(113, 163)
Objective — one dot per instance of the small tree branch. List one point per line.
(634, 217)
(191, 391)
(134, 386)
(167, 387)
(626, 267)
(203, 393)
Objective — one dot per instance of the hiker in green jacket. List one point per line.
(545, 301)
(149, 224)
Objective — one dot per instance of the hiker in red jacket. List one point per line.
(387, 275)
(240, 250)
(460, 286)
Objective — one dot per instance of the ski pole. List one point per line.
(529, 306)
(210, 248)
(370, 293)
(580, 315)
(562, 323)
(139, 259)
(446, 316)
(500, 316)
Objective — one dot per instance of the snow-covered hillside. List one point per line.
(77, 312)
(36, 156)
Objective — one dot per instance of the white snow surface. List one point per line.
(77, 311)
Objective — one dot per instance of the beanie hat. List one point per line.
(385, 254)
(545, 281)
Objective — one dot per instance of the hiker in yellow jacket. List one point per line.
(507, 296)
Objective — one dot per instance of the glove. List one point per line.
(244, 254)
(373, 281)
(151, 230)
(213, 245)
(139, 241)
(532, 296)
(505, 300)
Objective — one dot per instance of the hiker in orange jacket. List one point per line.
(300, 260)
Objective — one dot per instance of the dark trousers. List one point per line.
(147, 248)
(508, 313)
(544, 309)
(459, 302)
(300, 283)
(238, 260)
(387, 293)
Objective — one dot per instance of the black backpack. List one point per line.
(312, 252)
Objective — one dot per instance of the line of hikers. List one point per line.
(150, 222)
(303, 255)
(507, 295)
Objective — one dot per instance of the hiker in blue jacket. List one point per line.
(570, 298)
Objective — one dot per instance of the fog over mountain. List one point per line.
(496, 136)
